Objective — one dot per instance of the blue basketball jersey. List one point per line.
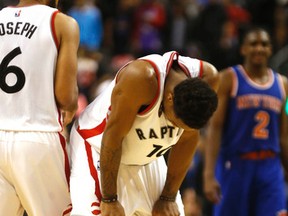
(253, 117)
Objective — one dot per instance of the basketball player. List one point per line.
(248, 136)
(38, 64)
(155, 104)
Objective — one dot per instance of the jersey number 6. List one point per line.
(5, 70)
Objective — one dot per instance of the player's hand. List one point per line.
(112, 209)
(67, 117)
(165, 208)
(212, 190)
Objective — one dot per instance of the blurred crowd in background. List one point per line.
(113, 32)
(116, 31)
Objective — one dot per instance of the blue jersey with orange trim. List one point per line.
(253, 115)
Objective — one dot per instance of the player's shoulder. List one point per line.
(65, 19)
(284, 78)
(227, 78)
(138, 79)
(227, 73)
(139, 68)
(227, 70)
(66, 26)
(284, 81)
(207, 65)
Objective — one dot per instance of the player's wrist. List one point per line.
(109, 199)
(209, 174)
(167, 198)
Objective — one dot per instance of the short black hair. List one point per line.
(194, 102)
(252, 29)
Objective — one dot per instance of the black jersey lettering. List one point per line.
(18, 28)
(166, 131)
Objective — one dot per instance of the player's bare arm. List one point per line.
(179, 160)
(213, 136)
(284, 130)
(136, 86)
(66, 89)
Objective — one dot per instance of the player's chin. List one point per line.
(260, 60)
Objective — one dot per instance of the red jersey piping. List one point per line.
(53, 30)
(170, 61)
(201, 69)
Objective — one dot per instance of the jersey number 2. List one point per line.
(260, 131)
(5, 70)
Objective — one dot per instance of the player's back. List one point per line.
(28, 56)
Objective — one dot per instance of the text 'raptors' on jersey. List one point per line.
(164, 131)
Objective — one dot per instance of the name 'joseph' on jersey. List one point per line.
(151, 134)
(28, 55)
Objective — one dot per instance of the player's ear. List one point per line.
(170, 97)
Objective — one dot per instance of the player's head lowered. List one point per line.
(194, 102)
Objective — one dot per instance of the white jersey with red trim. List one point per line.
(151, 134)
(28, 55)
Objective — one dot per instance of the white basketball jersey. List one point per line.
(151, 134)
(28, 55)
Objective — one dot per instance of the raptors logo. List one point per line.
(17, 14)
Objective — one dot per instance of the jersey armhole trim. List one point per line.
(201, 69)
(170, 61)
(185, 69)
(53, 30)
(282, 87)
(234, 87)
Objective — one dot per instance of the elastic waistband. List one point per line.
(258, 155)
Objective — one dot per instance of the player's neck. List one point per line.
(257, 74)
(256, 70)
(23, 3)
